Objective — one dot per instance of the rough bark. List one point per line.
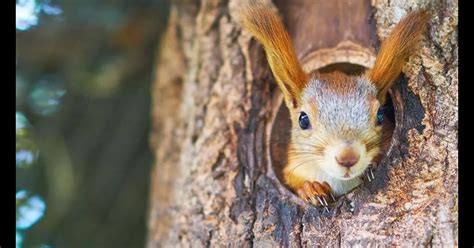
(213, 183)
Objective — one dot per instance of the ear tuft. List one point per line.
(396, 49)
(268, 29)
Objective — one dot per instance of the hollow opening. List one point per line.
(347, 68)
(281, 127)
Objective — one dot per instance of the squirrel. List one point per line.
(338, 125)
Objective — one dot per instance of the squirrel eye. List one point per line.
(304, 121)
(380, 114)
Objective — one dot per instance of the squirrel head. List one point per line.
(335, 118)
(336, 124)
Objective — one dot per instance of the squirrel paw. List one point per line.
(369, 174)
(316, 193)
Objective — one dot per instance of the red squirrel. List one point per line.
(338, 129)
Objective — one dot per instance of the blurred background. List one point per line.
(83, 75)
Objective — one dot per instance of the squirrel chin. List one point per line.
(347, 176)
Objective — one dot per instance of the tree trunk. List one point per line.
(217, 131)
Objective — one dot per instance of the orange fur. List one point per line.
(339, 81)
(396, 49)
(268, 29)
(292, 180)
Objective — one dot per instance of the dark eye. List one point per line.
(304, 121)
(380, 114)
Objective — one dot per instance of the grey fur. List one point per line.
(341, 114)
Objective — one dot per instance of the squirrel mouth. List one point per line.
(347, 174)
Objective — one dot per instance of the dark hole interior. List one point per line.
(281, 131)
(347, 68)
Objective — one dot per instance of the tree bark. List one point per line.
(214, 180)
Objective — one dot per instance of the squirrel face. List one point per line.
(341, 134)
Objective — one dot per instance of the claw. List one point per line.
(320, 201)
(316, 193)
(369, 174)
(326, 208)
(325, 202)
(313, 201)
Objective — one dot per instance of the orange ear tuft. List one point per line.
(268, 29)
(396, 49)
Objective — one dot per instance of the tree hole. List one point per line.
(281, 128)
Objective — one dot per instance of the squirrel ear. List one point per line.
(396, 49)
(267, 28)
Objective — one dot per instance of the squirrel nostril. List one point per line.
(347, 161)
(347, 158)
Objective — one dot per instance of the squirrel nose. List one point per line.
(347, 158)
